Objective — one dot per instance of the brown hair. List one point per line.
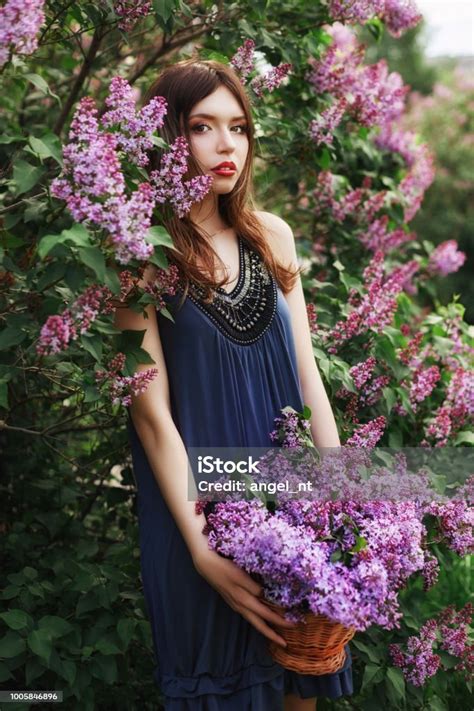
(183, 85)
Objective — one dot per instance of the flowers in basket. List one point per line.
(336, 565)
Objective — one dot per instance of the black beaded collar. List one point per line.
(246, 312)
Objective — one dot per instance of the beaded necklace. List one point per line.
(245, 313)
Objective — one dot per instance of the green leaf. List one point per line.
(55, 626)
(11, 336)
(77, 234)
(16, 619)
(375, 655)
(107, 646)
(68, 671)
(158, 236)
(93, 258)
(105, 668)
(371, 672)
(48, 146)
(41, 84)
(25, 176)
(396, 679)
(93, 345)
(34, 669)
(40, 644)
(125, 630)
(464, 437)
(11, 645)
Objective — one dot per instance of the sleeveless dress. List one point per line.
(231, 367)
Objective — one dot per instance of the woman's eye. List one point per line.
(197, 127)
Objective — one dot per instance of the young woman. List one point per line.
(238, 351)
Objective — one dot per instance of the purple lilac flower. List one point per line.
(56, 333)
(134, 130)
(322, 128)
(122, 387)
(398, 15)
(418, 663)
(361, 372)
(130, 11)
(20, 21)
(368, 435)
(446, 258)
(167, 182)
(457, 410)
(58, 330)
(243, 60)
(271, 79)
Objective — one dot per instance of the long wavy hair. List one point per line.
(183, 85)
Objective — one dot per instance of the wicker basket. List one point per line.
(315, 646)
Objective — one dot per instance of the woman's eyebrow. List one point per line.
(210, 116)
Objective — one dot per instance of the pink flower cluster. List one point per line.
(368, 434)
(322, 128)
(165, 282)
(371, 95)
(93, 183)
(122, 387)
(20, 21)
(446, 258)
(59, 330)
(168, 185)
(243, 62)
(448, 631)
(130, 11)
(375, 309)
(93, 186)
(292, 429)
(336, 558)
(134, 130)
(457, 410)
(398, 15)
(422, 384)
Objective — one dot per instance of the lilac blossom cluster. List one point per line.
(243, 61)
(122, 387)
(369, 93)
(168, 185)
(292, 428)
(369, 388)
(20, 21)
(58, 330)
(134, 129)
(375, 308)
(446, 258)
(397, 15)
(292, 554)
(373, 97)
(130, 11)
(164, 282)
(457, 410)
(449, 632)
(93, 182)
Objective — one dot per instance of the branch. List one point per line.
(85, 69)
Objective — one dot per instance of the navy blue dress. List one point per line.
(231, 367)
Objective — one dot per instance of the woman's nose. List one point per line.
(226, 141)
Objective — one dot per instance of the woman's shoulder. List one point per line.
(279, 235)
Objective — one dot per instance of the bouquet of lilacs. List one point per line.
(346, 558)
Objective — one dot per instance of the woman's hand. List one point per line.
(240, 591)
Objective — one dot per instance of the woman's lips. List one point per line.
(224, 171)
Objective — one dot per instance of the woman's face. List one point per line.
(218, 134)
